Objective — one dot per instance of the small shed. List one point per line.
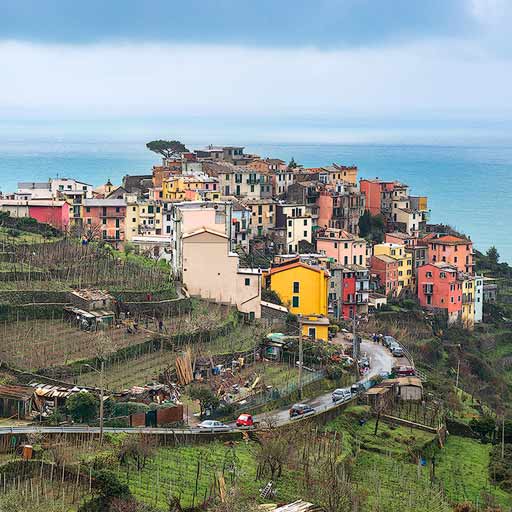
(92, 299)
(16, 401)
(380, 397)
(89, 320)
(408, 388)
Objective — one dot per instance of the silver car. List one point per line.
(213, 425)
(341, 395)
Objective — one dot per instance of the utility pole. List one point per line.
(102, 392)
(301, 358)
(503, 435)
(355, 346)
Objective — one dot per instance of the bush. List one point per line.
(127, 408)
(83, 407)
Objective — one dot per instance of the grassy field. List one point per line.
(190, 472)
(463, 467)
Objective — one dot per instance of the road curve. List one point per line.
(381, 360)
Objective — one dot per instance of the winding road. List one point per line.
(381, 360)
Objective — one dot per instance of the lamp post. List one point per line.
(102, 391)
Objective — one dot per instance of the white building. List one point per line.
(479, 299)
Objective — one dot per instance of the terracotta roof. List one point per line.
(452, 240)
(296, 264)
(385, 258)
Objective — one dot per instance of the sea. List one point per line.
(468, 186)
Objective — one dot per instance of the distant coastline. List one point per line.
(468, 186)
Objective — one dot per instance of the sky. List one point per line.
(317, 67)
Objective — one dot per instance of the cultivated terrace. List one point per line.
(172, 342)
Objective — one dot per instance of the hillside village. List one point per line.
(236, 332)
(370, 239)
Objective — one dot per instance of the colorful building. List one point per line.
(190, 188)
(56, 213)
(340, 208)
(404, 259)
(143, 217)
(440, 287)
(341, 246)
(454, 250)
(262, 215)
(304, 290)
(468, 301)
(479, 299)
(385, 270)
(349, 288)
(105, 219)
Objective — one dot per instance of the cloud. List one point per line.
(263, 23)
(421, 80)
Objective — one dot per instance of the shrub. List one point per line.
(127, 408)
(83, 407)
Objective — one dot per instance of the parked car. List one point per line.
(245, 420)
(384, 375)
(397, 351)
(341, 395)
(364, 362)
(387, 340)
(357, 388)
(300, 410)
(213, 425)
(403, 371)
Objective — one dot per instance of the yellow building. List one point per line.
(190, 188)
(142, 218)
(404, 258)
(468, 302)
(303, 289)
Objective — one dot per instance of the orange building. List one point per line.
(105, 218)
(440, 287)
(456, 251)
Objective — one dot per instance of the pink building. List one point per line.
(456, 251)
(106, 218)
(46, 211)
(342, 246)
(439, 287)
(385, 269)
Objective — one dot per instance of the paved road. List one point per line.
(381, 360)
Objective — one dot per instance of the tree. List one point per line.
(206, 398)
(292, 164)
(372, 227)
(493, 255)
(83, 406)
(167, 148)
(137, 450)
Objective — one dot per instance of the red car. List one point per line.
(404, 371)
(245, 420)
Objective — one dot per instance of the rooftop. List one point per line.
(118, 203)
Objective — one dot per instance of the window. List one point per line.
(295, 301)
(335, 245)
(289, 235)
(117, 223)
(345, 260)
(305, 234)
(305, 222)
(312, 332)
(442, 275)
(247, 281)
(104, 234)
(134, 208)
(118, 209)
(103, 221)
(296, 287)
(88, 209)
(428, 274)
(346, 245)
(289, 223)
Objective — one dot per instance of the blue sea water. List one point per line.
(468, 187)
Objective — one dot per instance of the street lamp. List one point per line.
(101, 373)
